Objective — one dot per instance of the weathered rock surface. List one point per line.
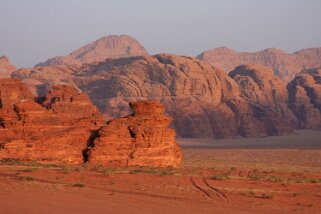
(140, 139)
(305, 98)
(267, 95)
(204, 101)
(30, 131)
(195, 94)
(104, 48)
(40, 79)
(6, 68)
(284, 65)
(60, 127)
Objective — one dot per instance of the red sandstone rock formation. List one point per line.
(142, 139)
(305, 98)
(60, 129)
(104, 48)
(29, 131)
(284, 65)
(6, 68)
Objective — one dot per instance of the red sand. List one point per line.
(210, 181)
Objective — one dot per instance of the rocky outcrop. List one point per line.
(104, 48)
(283, 64)
(62, 127)
(267, 95)
(142, 138)
(305, 98)
(6, 68)
(51, 132)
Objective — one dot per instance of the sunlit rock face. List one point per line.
(56, 130)
(142, 138)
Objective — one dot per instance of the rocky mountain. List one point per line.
(65, 127)
(267, 95)
(204, 101)
(283, 64)
(305, 98)
(104, 48)
(6, 68)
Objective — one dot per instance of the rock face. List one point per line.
(40, 79)
(305, 98)
(140, 139)
(65, 127)
(6, 68)
(267, 95)
(52, 132)
(204, 101)
(104, 48)
(284, 65)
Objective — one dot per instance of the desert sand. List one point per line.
(259, 175)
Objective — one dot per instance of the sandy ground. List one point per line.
(265, 175)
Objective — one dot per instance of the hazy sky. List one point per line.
(32, 31)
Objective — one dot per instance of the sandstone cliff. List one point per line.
(104, 48)
(6, 68)
(30, 131)
(140, 139)
(284, 65)
(305, 98)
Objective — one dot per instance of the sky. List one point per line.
(32, 31)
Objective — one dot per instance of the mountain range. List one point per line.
(219, 94)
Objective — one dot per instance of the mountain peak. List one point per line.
(108, 47)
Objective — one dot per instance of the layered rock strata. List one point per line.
(49, 132)
(61, 127)
(142, 138)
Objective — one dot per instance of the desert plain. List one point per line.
(280, 174)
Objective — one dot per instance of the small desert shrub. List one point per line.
(25, 178)
(80, 185)
(313, 180)
(156, 171)
(66, 170)
(220, 177)
(97, 168)
(275, 179)
(29, 169)
(266, 196)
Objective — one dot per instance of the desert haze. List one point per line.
(122, 125)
